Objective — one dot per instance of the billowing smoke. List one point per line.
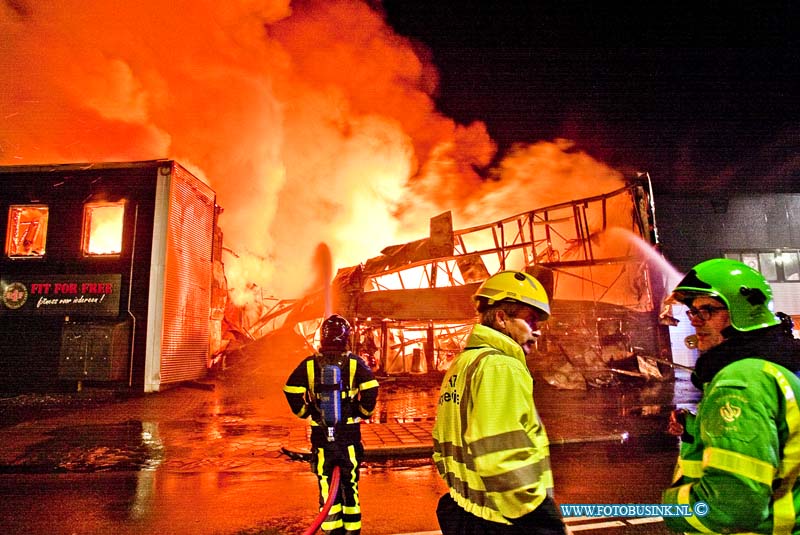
(313, 121)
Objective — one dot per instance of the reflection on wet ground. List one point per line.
(402, 401)
(397, 496)
(173, 446)
(229, 433)
(89, 448)
(234, 433)
(194, 461)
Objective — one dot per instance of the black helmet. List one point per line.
(335, 333)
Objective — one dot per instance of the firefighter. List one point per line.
(740, 454)
(489, 444)
(335, 443)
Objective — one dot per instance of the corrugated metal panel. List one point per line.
(188, 275)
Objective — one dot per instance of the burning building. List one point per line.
(412, 305)
(110, 272)
(329, 130)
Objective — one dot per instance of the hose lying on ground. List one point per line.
(334, 490)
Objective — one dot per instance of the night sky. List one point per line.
(704, 99)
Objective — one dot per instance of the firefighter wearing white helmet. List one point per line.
(490, 446)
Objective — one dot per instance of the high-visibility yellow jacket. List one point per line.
(742, 453)
(489, 444)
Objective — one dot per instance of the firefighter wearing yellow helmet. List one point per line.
(490, 446)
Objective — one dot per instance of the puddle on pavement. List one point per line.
(222, 444)
(92, 448)
(226, 436)
(406, 404)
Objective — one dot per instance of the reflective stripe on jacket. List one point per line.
(359, 390)
(489, 443)
(745, 458)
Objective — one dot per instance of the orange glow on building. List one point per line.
(313, 123)
(27, 230)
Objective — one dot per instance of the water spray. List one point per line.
(671, 278)
(671, 275)
(330, 396)
(323, 262)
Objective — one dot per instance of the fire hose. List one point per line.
(331, 407)
(334, 490)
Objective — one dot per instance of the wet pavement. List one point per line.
(632, 409)
(227, 447)
(216, 425)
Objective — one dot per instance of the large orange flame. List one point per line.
(313, 122)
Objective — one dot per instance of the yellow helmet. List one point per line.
(515, 286)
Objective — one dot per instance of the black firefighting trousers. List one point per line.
(344, 517)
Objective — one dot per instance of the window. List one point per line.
(26, 234)
(768, 266)
(750, 259)
(102, 228)
(791, 266)
(775, 265)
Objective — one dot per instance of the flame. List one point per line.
(103, 228)
(314, 122)
(27, 230)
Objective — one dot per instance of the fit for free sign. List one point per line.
(84, 295)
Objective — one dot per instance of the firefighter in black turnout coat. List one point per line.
(335, 400)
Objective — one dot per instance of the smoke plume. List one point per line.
(313, 121)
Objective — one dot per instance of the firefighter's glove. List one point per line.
(680, 421)
(314, 413)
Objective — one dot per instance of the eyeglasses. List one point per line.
(704, 312)
(532, 320)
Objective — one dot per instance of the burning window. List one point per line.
(102, 228)
(27, 231)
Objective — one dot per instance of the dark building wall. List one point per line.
(693, 229)
(30, 344)
(30, 352)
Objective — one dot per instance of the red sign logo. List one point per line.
(15, 295)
